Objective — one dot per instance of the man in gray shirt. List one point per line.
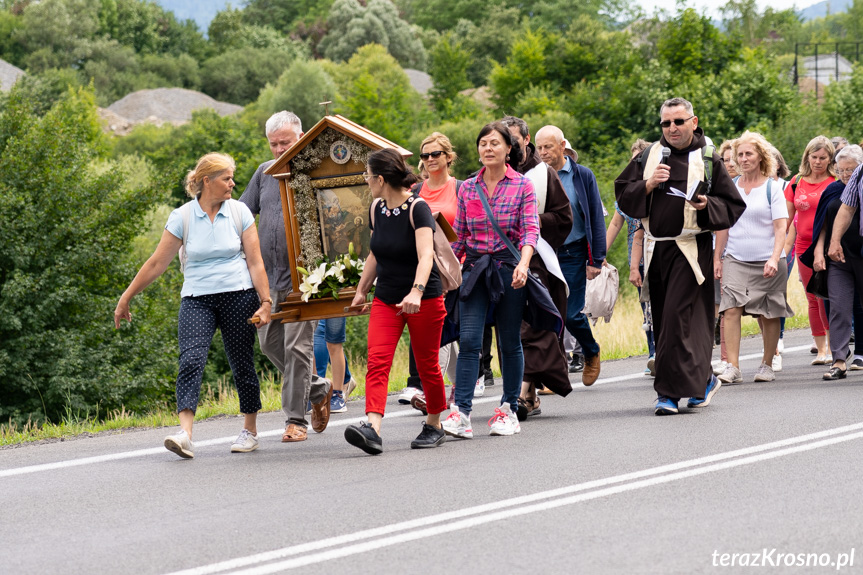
(288, 345)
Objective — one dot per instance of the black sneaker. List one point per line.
(489, 376)
(365, 437)
(577, 364)
(429, 437)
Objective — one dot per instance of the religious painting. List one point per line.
(344, 214)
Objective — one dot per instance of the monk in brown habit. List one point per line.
(679, 249)
(545, 361)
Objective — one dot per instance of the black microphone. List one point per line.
(664, 152)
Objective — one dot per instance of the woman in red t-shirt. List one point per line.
(440, 191)
(801, 196)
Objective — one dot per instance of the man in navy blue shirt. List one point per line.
(583, 251)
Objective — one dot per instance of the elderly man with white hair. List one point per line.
(583, 250)
(288, 345)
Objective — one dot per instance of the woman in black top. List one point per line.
(408, 291)
(844, 274)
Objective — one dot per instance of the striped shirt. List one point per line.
(851, 195)
(513, 205)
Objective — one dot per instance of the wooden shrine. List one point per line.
(325, 202)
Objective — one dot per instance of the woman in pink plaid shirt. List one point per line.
(492, 276)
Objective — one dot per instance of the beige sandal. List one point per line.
(294, 433)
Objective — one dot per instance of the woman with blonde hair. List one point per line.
(754, 270)
(801, 197)
(225, 284)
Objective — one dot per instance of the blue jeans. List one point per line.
(507, 314)
(329, 331)
(573, 264)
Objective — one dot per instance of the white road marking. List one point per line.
(277, 432)
(399, 533)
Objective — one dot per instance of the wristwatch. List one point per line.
(420, 287)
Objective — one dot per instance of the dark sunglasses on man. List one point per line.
(427, 155)
(667, 123)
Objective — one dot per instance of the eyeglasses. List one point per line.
(849, 171)
(676, 121)
(427, 155)
(368, 177)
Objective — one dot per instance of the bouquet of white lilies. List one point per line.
(328, 277)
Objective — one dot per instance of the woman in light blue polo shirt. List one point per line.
(225, 284)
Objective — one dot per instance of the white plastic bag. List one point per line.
(601, 294)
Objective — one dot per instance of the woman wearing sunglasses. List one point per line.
(439, 191)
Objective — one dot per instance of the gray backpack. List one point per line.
(186, 212)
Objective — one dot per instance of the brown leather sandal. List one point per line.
(294, 433)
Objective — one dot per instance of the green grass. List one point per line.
(621, 338)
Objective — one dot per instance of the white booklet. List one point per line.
(690, 193)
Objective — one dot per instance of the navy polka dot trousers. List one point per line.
(199, 318)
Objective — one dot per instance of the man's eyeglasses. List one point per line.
(427, 155)
(676, 121)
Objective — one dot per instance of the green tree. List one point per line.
(352, 26)
(173, 151)
(488, 43)
(843, 103)
(525, 67)
(448, 70)
(11, 49)
(284, 15)
(374, 91)
(238, 75)
(300, 89)
(691, 44)
(230, 31)
(67, 220)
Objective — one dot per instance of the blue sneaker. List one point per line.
(337, 402)
(712, 386)
(666, 405)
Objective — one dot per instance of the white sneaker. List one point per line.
(350, 386)
(479, 389)
(719, 367)
(245, 442)
(458, 424)
(776, 364)
(780, 347)
(764, 373)
(514, 418)
(503, 422)
(731, 375)
(181, 444)
(407, 394)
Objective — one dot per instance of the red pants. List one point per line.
(385, 328)
(817, 314)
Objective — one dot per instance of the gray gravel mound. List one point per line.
(168, 105)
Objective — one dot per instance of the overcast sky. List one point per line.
(713, 5)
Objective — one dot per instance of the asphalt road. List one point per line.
(770, 472)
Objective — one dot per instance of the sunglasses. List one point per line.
(427, 155)
(676, 122)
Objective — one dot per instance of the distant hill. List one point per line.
(823, 8)
(201, 11)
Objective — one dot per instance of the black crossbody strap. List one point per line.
(494, 223)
